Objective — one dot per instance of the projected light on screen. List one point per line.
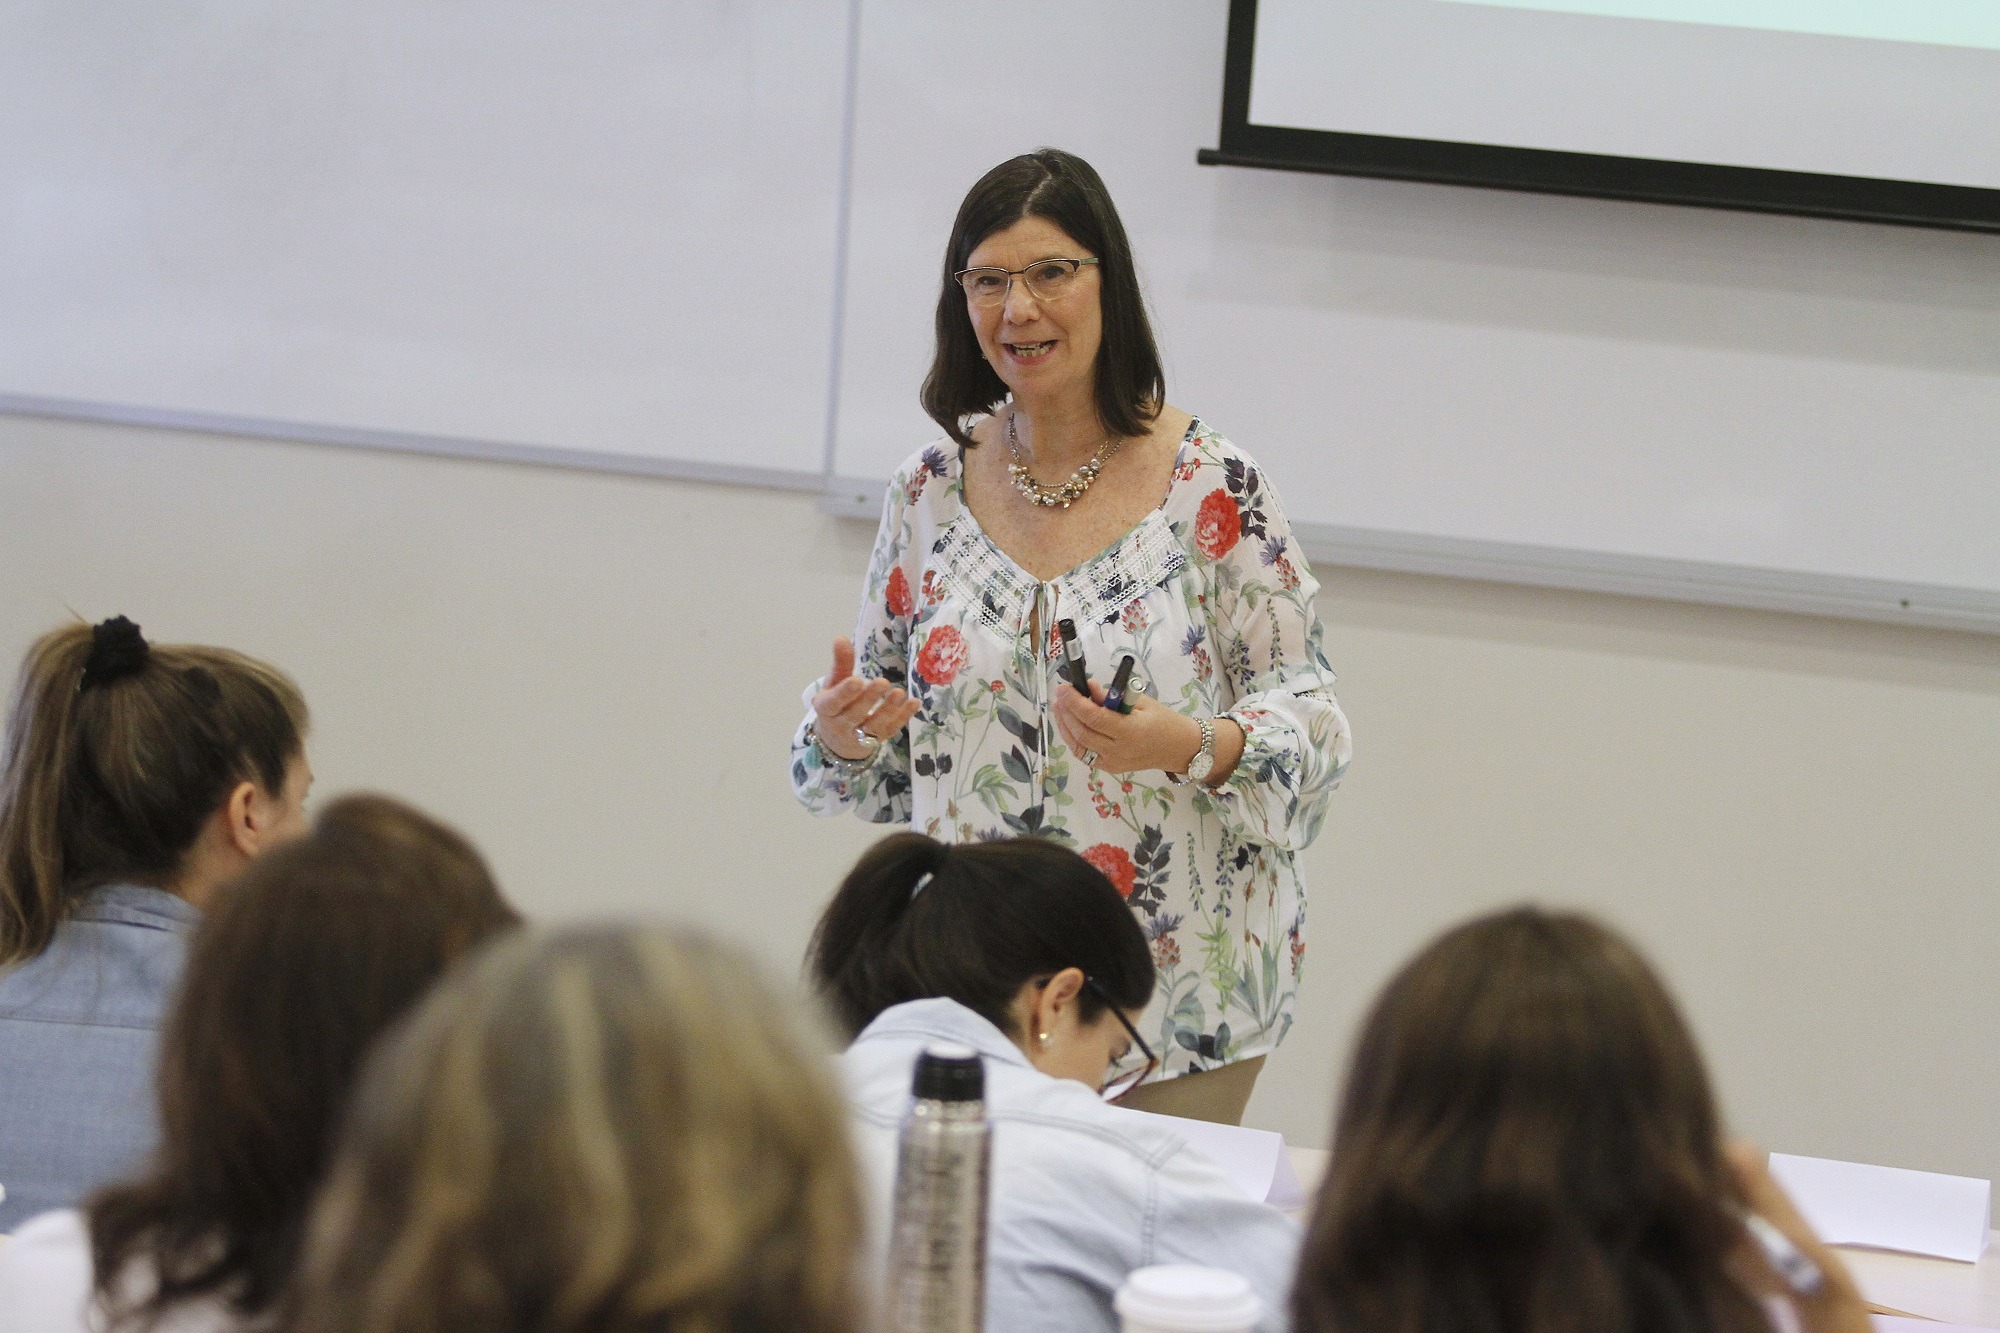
(1974, 23)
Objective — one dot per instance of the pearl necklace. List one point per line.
(1069, 492)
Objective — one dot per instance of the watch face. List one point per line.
(1200, 766)
(1203, 762)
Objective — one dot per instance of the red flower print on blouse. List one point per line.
(942, 656)
(1217, 526)
(900, 601)
(1115, 864)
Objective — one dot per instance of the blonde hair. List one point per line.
(116, 752)
(599, 1129)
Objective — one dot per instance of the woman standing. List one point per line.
(1078, 494)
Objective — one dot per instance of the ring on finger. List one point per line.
(1090, 758)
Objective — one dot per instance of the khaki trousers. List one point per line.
(1217, 1095)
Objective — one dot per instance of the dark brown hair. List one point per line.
(294, 970)
(1066, 190)
(988, 918)
(1526, 1144)
(110, 780)
(595, 1130)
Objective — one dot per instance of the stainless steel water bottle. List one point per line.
(937, 1240)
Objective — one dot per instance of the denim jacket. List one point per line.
(79, 1041)
(1083, 1192)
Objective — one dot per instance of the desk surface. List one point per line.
(1930, 1288)
(1902, 1284)
(1896, 1284)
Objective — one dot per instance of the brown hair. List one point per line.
(603, 1129)
(116, 752)
(1066, 190)
(294, 970)
(1526, 1144)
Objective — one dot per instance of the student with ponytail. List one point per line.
(1023, 951)
(299, 964)
(135, 779)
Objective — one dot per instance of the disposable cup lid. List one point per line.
(1184, 1298)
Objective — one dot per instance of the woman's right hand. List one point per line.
(1837, 1306)
(848, 706)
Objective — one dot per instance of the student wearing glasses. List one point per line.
(1023, 951)
(1068, 489)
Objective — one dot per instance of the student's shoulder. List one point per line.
(1076, 1117)
(45, 1273)
(54, 1231)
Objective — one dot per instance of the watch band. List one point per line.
(1203, 762)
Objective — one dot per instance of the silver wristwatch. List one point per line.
(1203, 762)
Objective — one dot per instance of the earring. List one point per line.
(1044, 1038)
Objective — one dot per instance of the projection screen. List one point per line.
(1881, 110)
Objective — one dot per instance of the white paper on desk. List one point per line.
(1887, 1207)
(1254, 1158)
(1891, 1323)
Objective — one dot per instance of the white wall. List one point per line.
(596, 676)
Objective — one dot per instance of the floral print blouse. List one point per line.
(1213, 597)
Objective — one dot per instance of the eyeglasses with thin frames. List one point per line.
(1121, 1084)
(1047, 280)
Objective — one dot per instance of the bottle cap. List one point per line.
(948, 1072)
(1183, 1298)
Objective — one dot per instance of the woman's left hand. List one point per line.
(1152, 735)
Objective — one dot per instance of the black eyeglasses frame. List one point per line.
(1115, 1088)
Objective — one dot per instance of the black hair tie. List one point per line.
(117, 650)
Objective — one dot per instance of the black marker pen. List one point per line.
(1073, 657)
(1114, 698)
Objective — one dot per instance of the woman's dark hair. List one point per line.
(991, 917)
(294, 970)
(1526, 1143)
(117, 751)
(1066, 190)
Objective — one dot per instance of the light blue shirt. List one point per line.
(1083, 1192)
(79, 1043)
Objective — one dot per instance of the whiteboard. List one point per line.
(1773, 411)
(604, 229)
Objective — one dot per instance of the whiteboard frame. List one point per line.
(400, 442)
(1928, 606)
